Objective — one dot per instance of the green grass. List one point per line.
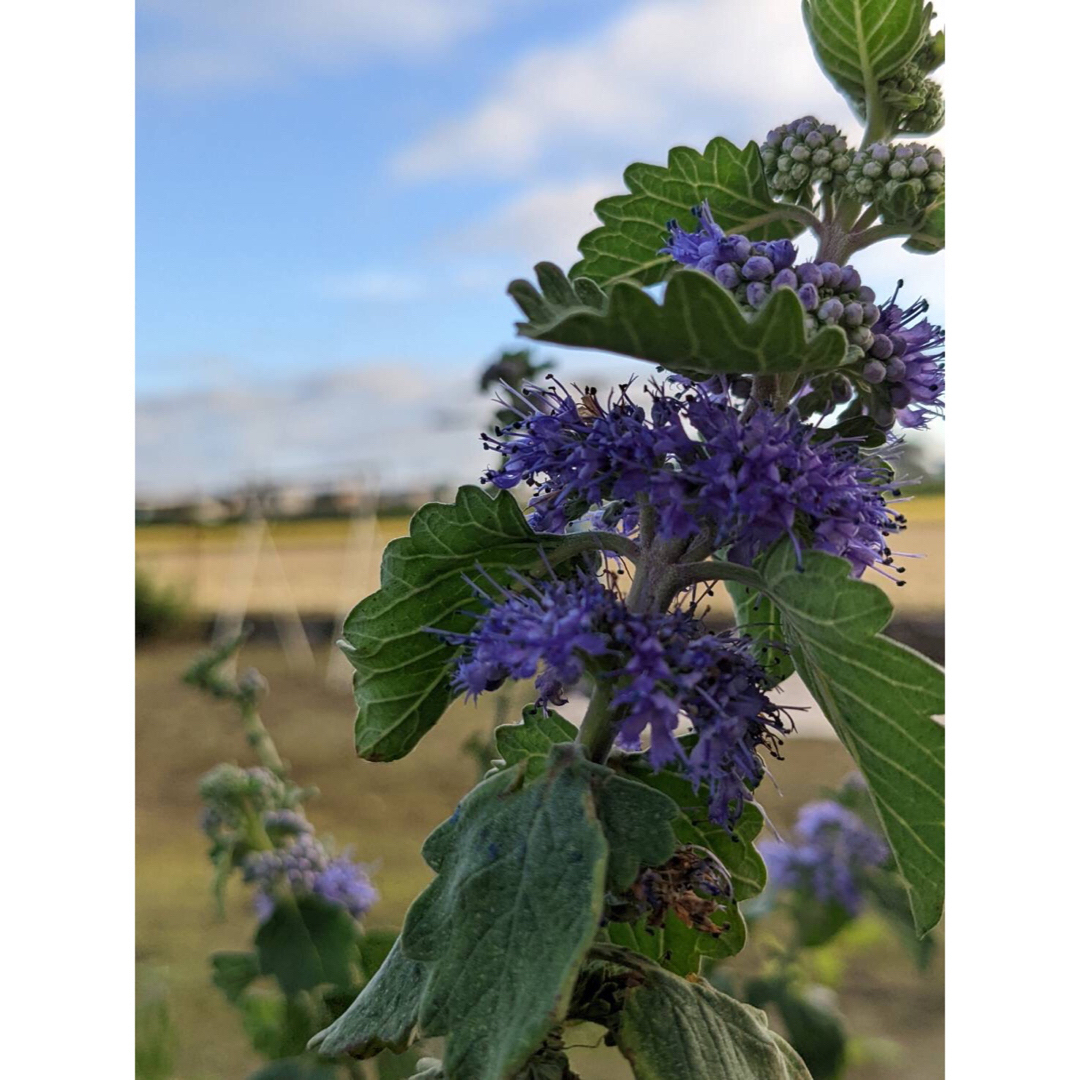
(384, 812)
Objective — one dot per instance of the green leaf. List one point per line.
(403, 672)
(675, 945)
(880, 697)
(929, 237)
(234, 972)
(383, 1017)
(531, 740)
(304, 1067)
(508, 921)
(307, 943)
(637, 821)
(635, 225)
(758, 617)
(861, 42)
(673, 1028)
(697, 329)
(814, 1028)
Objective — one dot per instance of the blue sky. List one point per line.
(346, 186)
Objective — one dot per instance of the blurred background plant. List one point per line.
(160, 609)
(833, 892)
(310, 954)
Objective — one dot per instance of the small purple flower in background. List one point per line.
(306, 869)
(834, 849)
(702, 468)
(662, 666)
(346, 883)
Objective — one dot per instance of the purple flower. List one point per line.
(346, 883)
(305, 868)
(661, 666)
(557, 628)
(702, 468)
(834, 849)
(913, 351)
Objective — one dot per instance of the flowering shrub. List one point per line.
(597, 870)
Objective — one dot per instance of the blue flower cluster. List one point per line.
(702, 468)
(835, 848)
(661, 667)
(831, 295)
(305, 868)
(907, 364)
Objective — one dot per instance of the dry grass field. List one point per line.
(384, 812)
(323, 567)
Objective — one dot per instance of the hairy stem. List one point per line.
(576, 543)
(859, 240)
(597, 732)
(683, 575)
(258, 738)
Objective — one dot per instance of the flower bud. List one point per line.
(727, 275)
(733, 248)
(785, 279)
(832, 275)
(895, 369)
(782, 253)
(853, 314)
(757, 268)
(808, 295)
(862, 336)
(849, 279)
(882, 348)
(831, 310)
(874, 372)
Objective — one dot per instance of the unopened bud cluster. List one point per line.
(918, 99)
(831, 295)
(230, 791)
(902, 181)
(803, 153)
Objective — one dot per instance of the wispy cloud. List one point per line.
(663, 71)
(199, 45)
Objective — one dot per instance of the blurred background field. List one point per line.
(315, 566)
(385, 811)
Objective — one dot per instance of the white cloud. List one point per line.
(662, 72)
(543, 222)
(211, 44)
